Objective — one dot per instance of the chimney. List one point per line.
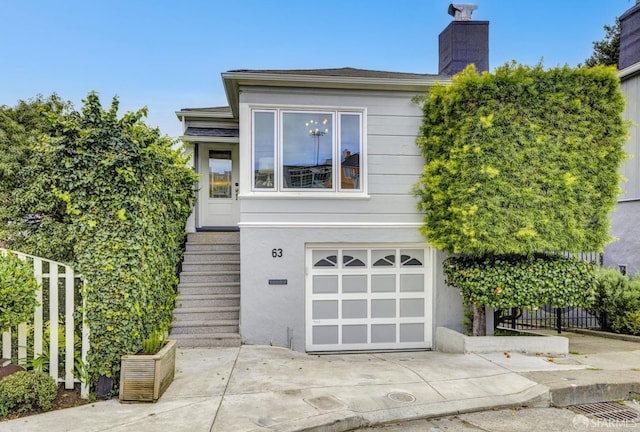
(630, 37)
(463, 41)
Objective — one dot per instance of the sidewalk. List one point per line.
(258, 388)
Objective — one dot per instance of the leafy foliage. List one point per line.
(42, 361)
(528, 282)
(128, 194)
(32, 219)
(607, 51)
(522, 160)
(17, 291)
(27, 391)
(617, 304)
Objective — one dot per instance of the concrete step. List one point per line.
(208, 288)
(210, 266)
(213, 237)
(205, 326)
(207, 340)
(206, 313)
(210, 276)
(199, 256)
(203, 246)
(205, 300)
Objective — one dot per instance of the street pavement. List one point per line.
(264, 388)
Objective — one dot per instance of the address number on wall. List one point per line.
(276, 253)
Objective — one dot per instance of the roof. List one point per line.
(342, 72)
(220, 109)
(337, 78)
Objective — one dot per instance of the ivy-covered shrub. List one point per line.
(617, 303)
(128, 194)
(522, 160)
(527, 282)
(17, 291)
(27, 391)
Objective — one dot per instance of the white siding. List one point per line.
(631, 167)
(394, 162)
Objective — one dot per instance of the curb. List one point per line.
(592, 393)
(537, 396)
(607, 335)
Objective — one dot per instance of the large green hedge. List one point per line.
(128, 193)
(527, 282)
(521, 160)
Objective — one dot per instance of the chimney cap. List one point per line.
(462, 12)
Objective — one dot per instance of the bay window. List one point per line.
(315, 151)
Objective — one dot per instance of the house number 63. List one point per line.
(276, 253)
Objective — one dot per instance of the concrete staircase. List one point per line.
(207, 309)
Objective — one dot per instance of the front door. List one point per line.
(218, 197)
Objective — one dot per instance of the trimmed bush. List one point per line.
(527, 282)
(28, 391)
(617, 304)
(522, 160)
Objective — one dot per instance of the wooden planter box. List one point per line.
(144, 378)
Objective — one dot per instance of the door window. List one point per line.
(220, 166)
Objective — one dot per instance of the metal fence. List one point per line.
(553, 318)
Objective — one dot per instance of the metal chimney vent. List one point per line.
(462, 12)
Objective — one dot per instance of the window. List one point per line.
(307, 150)
(220, 167)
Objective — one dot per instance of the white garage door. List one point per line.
(368, 298)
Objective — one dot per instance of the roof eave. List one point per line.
(233, 81)
(195, 113)
(629, 71)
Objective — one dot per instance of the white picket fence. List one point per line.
(52, 274)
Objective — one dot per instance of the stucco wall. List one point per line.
(275, 314)
(625, 227)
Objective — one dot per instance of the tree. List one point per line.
(32, 219)
(520, 162)
(607, 51)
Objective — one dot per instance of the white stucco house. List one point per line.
(309, 173)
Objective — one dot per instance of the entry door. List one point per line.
(218, 199)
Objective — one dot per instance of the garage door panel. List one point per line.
(325, 284)
(411, 332)
(368, 298)
(410, 308)
(354, 334)
(383, 283)
(411, 282)
(325, 309)
(354, 284)
(354, 309)
(325, 335)
(383, 333)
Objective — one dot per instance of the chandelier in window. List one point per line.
(316, 132)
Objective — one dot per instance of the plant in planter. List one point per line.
(145, 376)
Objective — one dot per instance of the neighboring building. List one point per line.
(315, 168)
(624, 253)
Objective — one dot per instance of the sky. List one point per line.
(168, 55)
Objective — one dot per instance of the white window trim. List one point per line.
(278, 191)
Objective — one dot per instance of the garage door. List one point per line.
(368, 298)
